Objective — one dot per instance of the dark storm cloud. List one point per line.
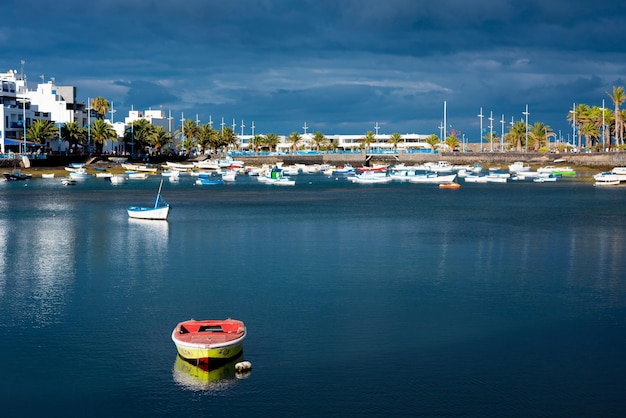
(339, 65)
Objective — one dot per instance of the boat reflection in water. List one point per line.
(214, 377)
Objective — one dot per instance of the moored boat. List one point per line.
(208, 182)
(371, 177)
(204, 340)
(432, 178)
(159, 211)
(518, 167)
(562, 171)
(606, 179)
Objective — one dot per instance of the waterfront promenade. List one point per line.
(597, 160)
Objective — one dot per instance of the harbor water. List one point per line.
(360, 300)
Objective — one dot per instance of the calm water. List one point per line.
(368, 301)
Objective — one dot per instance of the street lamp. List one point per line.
(525, 113)
(603, 129)
(573, 112)
(88, 124)
(502, 136)
(491, 130)
(481, 116)
(23, 101)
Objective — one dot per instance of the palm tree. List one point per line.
(101, 132)
(601, 117)
(433, 141)
(208, 138)
(540, 134)
(140, 134)
(618, 98)
(319, 139)
(228, 137)
(74, 134)
(395, 138)
(189, 132)
(101, 106)
(41, 130)
(591, 134)
(272, 140)
(516, 136)
(367, 140)
(295, 139)
(160, 138)
(257, 142)
(491, 138)
(452, 142)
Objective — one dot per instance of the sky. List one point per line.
(340, 67)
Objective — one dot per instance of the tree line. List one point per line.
(596, 127)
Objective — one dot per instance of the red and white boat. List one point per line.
(374, 168)
(209, 339)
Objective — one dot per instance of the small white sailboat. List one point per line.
(159, 211)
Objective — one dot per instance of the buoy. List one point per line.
(243, 366)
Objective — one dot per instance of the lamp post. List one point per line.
(525, 113)
(59, 124)
(603, 129)
(491, 130)
(481, 116)
(574, 125)
(88, 124)
(23, 101)
(445, 120)
(502, 136)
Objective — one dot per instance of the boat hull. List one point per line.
(209, 340)
(142, 212)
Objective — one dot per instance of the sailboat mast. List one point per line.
(156, 202)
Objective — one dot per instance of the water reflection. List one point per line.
(37, 268)
(204, 377)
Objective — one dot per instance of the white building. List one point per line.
(26, 101)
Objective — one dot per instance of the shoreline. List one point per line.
(600, 161)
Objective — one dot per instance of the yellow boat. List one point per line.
(216, 339)
(202, 376)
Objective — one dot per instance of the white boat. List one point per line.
(117, 179)
(229, 175)
(180, 166)
(551, 169)
(620, 172)
(543, 179)
(79, 174)
(439, 167)
(275, 177)
(606, 178)
(370, 177)
(475, 179)
(496, 178)
(139, 167)
(75, 166)
(134, 175)
(103, 175)
(432, 178)
(47, 175)
(159, 211)
(68, 182)
(518, 167)
(174, 176)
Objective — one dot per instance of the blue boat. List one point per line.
(209, 182)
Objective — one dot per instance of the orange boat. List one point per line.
(209, 339)
(452, 185)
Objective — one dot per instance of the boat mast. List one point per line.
(156, 202)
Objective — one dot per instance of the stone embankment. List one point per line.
(596, 160)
